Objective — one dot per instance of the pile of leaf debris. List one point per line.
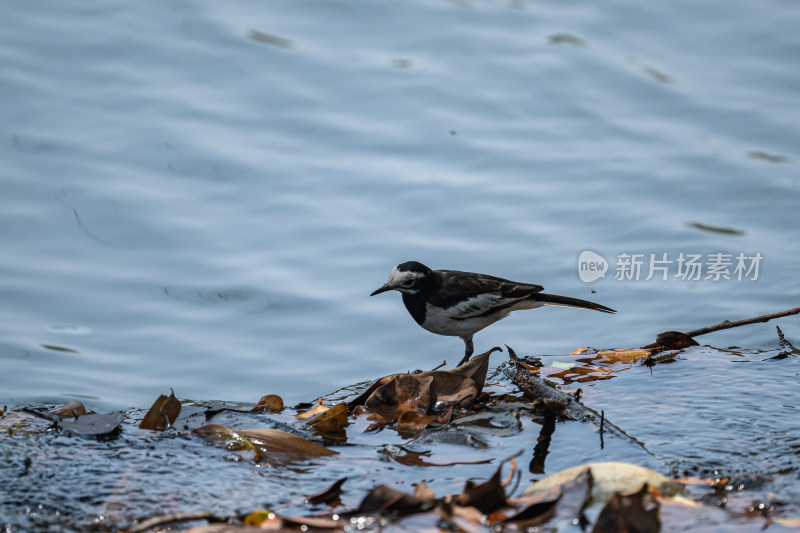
(613, 497)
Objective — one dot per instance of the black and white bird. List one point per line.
(460, 304)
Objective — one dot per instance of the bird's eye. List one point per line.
(409, 282)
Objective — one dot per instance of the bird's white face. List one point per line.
(403, 281)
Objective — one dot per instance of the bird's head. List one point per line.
(409, 277)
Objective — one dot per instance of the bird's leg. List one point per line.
(468, 349)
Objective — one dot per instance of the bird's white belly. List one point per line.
(441, 322)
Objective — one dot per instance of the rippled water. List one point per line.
(202, 195)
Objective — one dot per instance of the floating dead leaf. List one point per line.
(633, 355)
(270, 402)
(329, 495)
(331, 423)
(270, 521)
(225, 437)
(465, 519)
(414, 399)
(582, 367)
(486, 497)
(536, 509)
(100, 426)
(314, 411)
(71, 409)
(629, 511)
(384, 499)
(264, 517)
(264, 442)
(424, 492)
(575, 497)
(71, 418)
(674, 340)
(21, 421)
(477, 367)
(162, 413)
(410, 458)
(415, 420)
(276, 441)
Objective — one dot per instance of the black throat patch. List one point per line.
(415, 304)
(426, 286)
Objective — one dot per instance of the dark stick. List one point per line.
(602, 424)
(728, 324)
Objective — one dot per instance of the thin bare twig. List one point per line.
(150, 523)
(735, 324)
(676, 339)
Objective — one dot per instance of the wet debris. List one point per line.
(71, 418)
(262, 443)
(164, 411)
(269, 402)
(415, 401)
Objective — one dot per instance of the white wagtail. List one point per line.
(460, 304)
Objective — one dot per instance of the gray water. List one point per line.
(202, 195)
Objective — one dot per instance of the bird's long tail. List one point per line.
(566, 301)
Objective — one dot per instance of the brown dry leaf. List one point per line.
(580, 367)
(386, 499)
(270, 402)
(314, 411)
(580, 374)
(71, 410)
(269, 521)
(14, 421)
(415, 420)
(477, 367)
(564, 502)
(466, 519)
(627, 355)
(575, 497)
(225, 437)
(162, 413)
(424, 492)
(486, 497)
(264, 442)
(629, 511)
(329, 495)
(536, 509)
(269, 441)
(331, 423)
(362, 398)
(377, 421)
(413, 396)
(674, 340)
(409, 458)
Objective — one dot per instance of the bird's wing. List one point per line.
(467, 295)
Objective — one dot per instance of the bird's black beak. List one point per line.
(385, 288)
